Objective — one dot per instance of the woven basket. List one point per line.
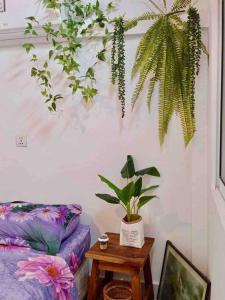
(117, 290)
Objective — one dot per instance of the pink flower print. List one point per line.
(4, 210)
(50, 271)
(22, 216)
(62, 213)
(74, 263)
(10, 244)
(47, 213)
(76, 209)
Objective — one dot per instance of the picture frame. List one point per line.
(180, 279)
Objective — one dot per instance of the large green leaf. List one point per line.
(127, 193)
(108, 198)
(111, 185)
(148, 171)
(150, 188)
(137, 187)
(145, 199)
(128, 170)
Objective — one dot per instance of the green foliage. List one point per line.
(180, 4)
(169, 54)
(108, 198)
(130, 197)
(28, 47)
(148, 171)
(194, 50)
(128, 170)
(66, 44)
(118, 61)
(134, 22)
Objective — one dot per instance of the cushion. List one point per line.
(44, 227)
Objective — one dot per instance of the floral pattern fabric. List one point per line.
(43, 227)
(33, 275)
(50, 271)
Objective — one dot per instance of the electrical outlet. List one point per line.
(21, 141)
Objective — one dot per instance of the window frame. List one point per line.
(220, 183)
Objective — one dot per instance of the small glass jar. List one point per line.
(103, 241)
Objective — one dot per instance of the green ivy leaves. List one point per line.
(118, 61)
(66, 45)
(28, 47)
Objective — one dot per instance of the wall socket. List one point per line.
(21, 141)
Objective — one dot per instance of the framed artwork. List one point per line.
(2, 6)
(180, 280)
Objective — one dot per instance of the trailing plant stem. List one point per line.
(118, 61)
(175, 13)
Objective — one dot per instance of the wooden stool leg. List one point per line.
(136, 285)
(93, 286)
(148, 279)
(108, 276)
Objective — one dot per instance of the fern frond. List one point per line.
(146, 48)
(178, 23)
(183, 104)
(162, 96)
(151, 64)
(171, 100)
(145, 17)
(163, 87)
(151, 87)
(145, 41)
(187, 122)
(180, 4)
(177, 70)
(139, 86)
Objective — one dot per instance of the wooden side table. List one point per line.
(122, 260)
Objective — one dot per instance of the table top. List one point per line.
(121, 254)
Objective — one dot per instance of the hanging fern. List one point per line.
(169, 53)
(180, 4)
(118, 61)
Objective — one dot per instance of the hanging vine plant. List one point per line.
(118, 61)
(82, 20)
(169, 53)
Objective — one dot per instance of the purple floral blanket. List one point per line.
(28, 274)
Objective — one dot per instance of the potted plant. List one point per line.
(132, 197)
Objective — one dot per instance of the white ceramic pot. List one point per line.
(132, 233)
